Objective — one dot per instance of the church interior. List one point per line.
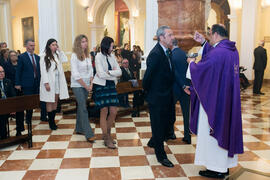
(64, 155)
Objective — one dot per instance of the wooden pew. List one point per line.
(17, 104)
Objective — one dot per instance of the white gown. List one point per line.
(208, 153)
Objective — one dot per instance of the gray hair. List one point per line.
(28, 40)
(161, 31)
(175, 42)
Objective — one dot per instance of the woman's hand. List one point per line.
(47, 87)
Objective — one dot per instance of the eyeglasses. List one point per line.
(2, 71)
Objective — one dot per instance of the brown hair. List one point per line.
(77, 48)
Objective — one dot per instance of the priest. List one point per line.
(215, 104)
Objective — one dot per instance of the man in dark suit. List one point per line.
(260, 62)
(158, 85)
(181, 88)
(127, 74)
(27, 77)
(6, 90)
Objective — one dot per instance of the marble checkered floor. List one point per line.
(63, 155)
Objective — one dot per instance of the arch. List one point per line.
(222, 8)
(98, 9)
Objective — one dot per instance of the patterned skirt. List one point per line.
(105, 96)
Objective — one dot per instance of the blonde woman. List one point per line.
(53, 83)
(105, 81)
(81, 84)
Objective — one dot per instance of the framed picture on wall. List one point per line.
(28, 28)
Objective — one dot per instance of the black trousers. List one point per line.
(3, 126)
(184, 100)
(258, 81)
(30, 91)
(159, 124)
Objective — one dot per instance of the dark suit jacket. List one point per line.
(25, 71)
(179, 61)
(158, 78)
(260, 61)
(125, 76)
(8, 88)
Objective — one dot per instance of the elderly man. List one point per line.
(158, 85)
(6, 90)
(260, 61)
(215, 104)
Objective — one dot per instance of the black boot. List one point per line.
(52, 124)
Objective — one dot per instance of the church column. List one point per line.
(233, 25)
(151, 24)
(5, 28)
(248, 35)
(132, 31)
(97, 33)
(48, 22)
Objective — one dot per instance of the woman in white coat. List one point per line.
(53, 83)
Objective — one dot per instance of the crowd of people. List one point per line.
(97, 71)
(208, 91)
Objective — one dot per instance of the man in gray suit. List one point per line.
(260, 62)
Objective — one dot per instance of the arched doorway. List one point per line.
(98, 11)
(219, 12)
(117, 22)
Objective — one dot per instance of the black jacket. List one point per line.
(125, 76)
(8, 88)
(180, 64)
(158, 78)
(260, 60)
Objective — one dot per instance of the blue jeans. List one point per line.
(82, 121)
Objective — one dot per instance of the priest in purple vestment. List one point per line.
(215, 104)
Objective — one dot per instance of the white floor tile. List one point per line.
(71, 174)
(56, 145)
(258, 165)
(23, 154)
(40, 138)
(102, 162)
(182, 149)
(127, 136)
(43, 164)
(137, 172)
(264, 154)
(131, 151)
(78, 153)
(191, 169)
(63, 132)
(12, 175)
(124, 124)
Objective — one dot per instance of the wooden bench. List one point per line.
(17, 104)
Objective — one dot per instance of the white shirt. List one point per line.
(80, 70)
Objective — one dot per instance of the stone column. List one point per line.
(97, 31)
(48, 22)
(233, 25)
(151, 25)
(249, 14)
(5, 27)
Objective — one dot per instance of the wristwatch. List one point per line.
(184, 87)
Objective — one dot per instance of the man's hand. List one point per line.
(199, 37)
(187, 90)
(88, 88)
(189, 60)
(47, 87)
(18, 87)
(13, 113)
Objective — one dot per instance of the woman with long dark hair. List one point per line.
(105, 82)
(81, 84)
(53, 83)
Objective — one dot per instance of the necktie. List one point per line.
(3, 95)
(34, 66)
(168, 54)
